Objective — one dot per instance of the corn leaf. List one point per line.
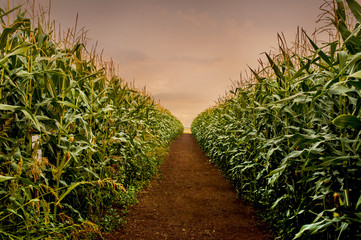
(70, 188)
(355, 9)
(346, 120)
(5, 178)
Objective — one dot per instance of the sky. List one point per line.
(186, 52)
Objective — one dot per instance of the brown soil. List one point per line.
(191, 200)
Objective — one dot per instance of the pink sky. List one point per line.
(186, 52)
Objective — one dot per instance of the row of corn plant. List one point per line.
(75, 144)
(289, 141)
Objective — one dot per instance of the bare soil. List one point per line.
(191, 200)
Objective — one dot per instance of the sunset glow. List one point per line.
(186, 53)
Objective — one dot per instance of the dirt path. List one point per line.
(191, 200)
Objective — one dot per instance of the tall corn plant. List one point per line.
(72, 140)
(290, 143)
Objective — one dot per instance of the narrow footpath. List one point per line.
(191, 200)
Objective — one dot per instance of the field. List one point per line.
(76, 142)
(288, 138)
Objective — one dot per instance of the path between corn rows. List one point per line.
(191, 200)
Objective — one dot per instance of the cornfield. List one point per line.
(289, 140)
(76, 143)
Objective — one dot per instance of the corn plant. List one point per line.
(75, 143)
(290, 140)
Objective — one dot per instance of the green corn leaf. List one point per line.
(329, 161)
(26, 112)
(300, 72)
(313, 227)
(4, 36)
(358, 203)
(333, 48)
(358, 107)
(342, 59)
(17, 51)
(342, 28)
(353, 60)
(91, 172)
(355, 9)
(346, 120)
(356, 84)
(299, 95)
(30, 116)
(341, 90)
(275, 68)
(278, 200)
(70, 188)
(27, 181)
(341, 10)
(5, 178)
(319, 51)
(11, 211)
(68, 104)
(278, 170)
(259, 79)
(356, 74)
